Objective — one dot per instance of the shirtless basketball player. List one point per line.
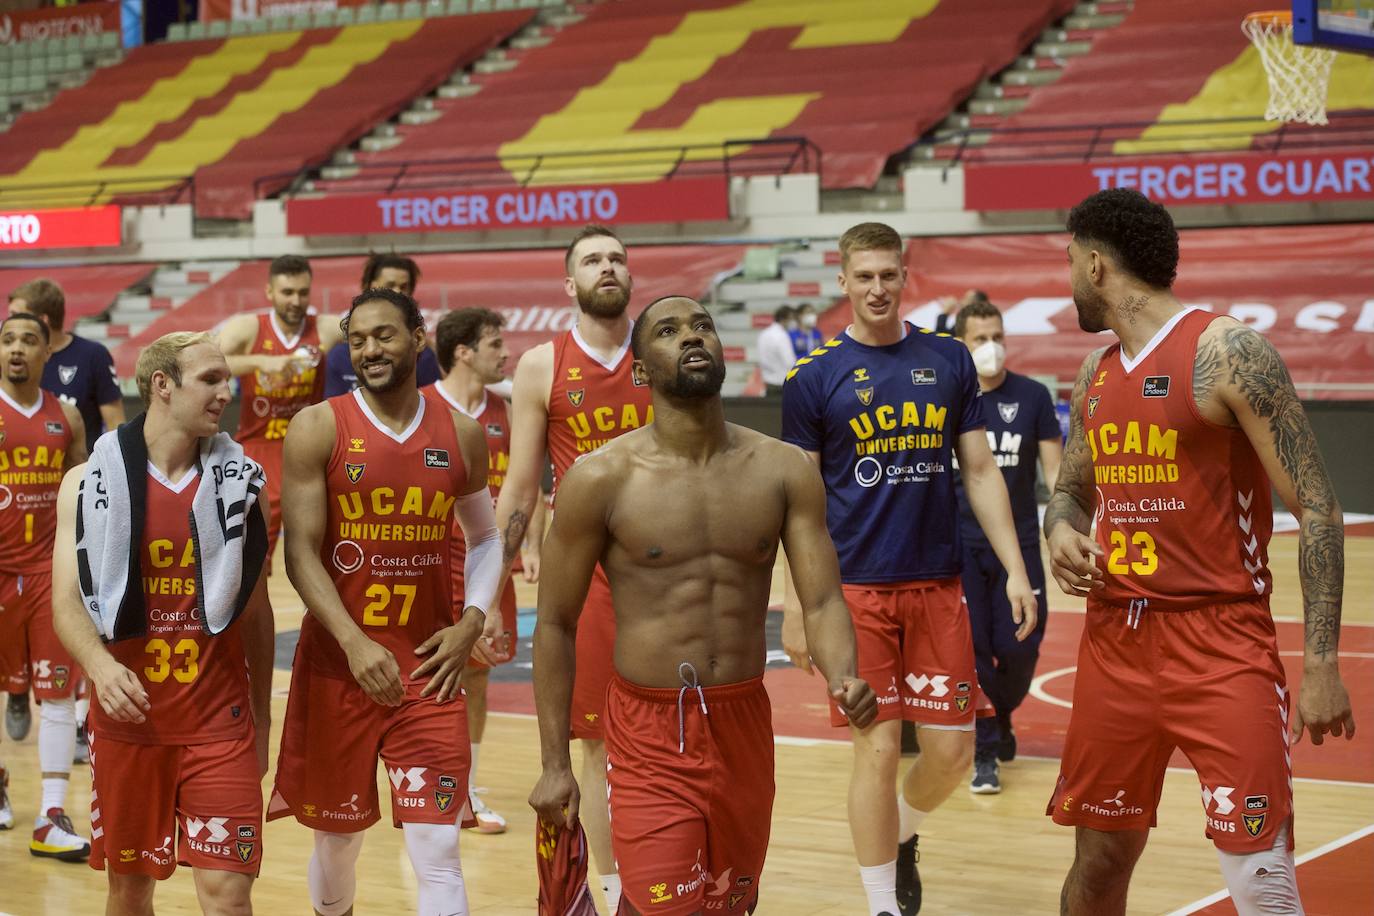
(688, 731)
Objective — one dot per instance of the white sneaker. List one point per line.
(55, 838)
(488, 821)
(6, 814)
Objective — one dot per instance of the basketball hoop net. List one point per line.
(1298, 74)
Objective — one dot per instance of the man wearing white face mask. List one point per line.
(1021, 428)
(806, 336)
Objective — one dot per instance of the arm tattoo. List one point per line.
(1072, 500)
(1207, 371)
(1132, 306)
(514, 535)
(1259, 375)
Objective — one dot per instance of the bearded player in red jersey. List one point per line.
(372, 481)
(472, 355)
(39, 436)
(277, 357)
(159, 595)
(1177, 431)
(573, 395)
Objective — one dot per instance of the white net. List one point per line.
(1298, 74)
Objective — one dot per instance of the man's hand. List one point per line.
(452, 646)
(555, 796)
(1025, 608)
(529, 563)
(1073, 561)
(375, 670)
(794, 640)
(119, 692)
(493, 647)
(856, 700)
(1323, 706)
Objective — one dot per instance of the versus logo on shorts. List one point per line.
(244, 844)
(443, 796)
(1156, 386)
(354, 471)
(436, 457)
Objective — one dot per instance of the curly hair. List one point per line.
(1138, 233)
(409, 309)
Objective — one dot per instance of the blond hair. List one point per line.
(164, 355)
(869, 237)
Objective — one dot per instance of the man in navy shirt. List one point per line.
(883, 408)
(1022, 427)
(380, 271)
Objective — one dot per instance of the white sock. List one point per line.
(880, 884)
(54, 794)
(610, 885)
(909, 819)
(472, 770)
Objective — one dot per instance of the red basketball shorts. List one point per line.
(1207, 681)
(156, 805)
(29, 647)
(915, 651)
(691, 794)
(508, 619)
(595, 659)
(269, 455)
(332, 737)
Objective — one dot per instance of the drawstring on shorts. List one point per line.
(1135, 610)
(693, 684)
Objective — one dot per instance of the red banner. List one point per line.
(1309, 289)
(78, 227)
(59, 22)
(254, 9)
(1240, 178)
(477, 209)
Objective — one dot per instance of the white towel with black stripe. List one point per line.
(226, 525)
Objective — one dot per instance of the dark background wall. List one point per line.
(1345, 431)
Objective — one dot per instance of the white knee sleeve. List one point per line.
(57, 735)
(433, 852)
(331, 874)
(1263, 883)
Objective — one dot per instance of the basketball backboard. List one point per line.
(1342, 25)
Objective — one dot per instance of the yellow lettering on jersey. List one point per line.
(382, 501)
(441, 506)
(161, 550)
(1158, 443)
(23, 457)
(605, 421)
(885, 418)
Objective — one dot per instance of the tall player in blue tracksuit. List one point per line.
(883, 408)
(1022, 427)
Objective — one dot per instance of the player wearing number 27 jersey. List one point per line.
(1177, 432)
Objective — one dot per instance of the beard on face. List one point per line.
(692, 386)
(1090, 308)
(401, 372)
(601, 303)
(17, 374)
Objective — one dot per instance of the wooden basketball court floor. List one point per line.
(980, 854)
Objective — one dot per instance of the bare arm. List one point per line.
(1069, 515)
(987, 496)
(236, 338)
(530, 551)
(112, 414)
(816, 573)
(259, 634)
(309, 442)
(794, 638)
(331, 334)
(1051, 453)
(76, 452)
(574, 545)
(117, 689)
(1254, 383)
(529, 435)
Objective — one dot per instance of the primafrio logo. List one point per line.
(348, 557)
(6, 497)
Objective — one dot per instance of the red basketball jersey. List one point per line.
(268, 403)
(197, 684)
(1183, 508)
(388, 527)
(591, 402)
(33, 453)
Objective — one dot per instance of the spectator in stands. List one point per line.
(82, 373)
(1022, 429)
(949, 308)
(381, 271)
(806, 336)
(776, 354)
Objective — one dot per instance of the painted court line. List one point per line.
(1305, 857)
